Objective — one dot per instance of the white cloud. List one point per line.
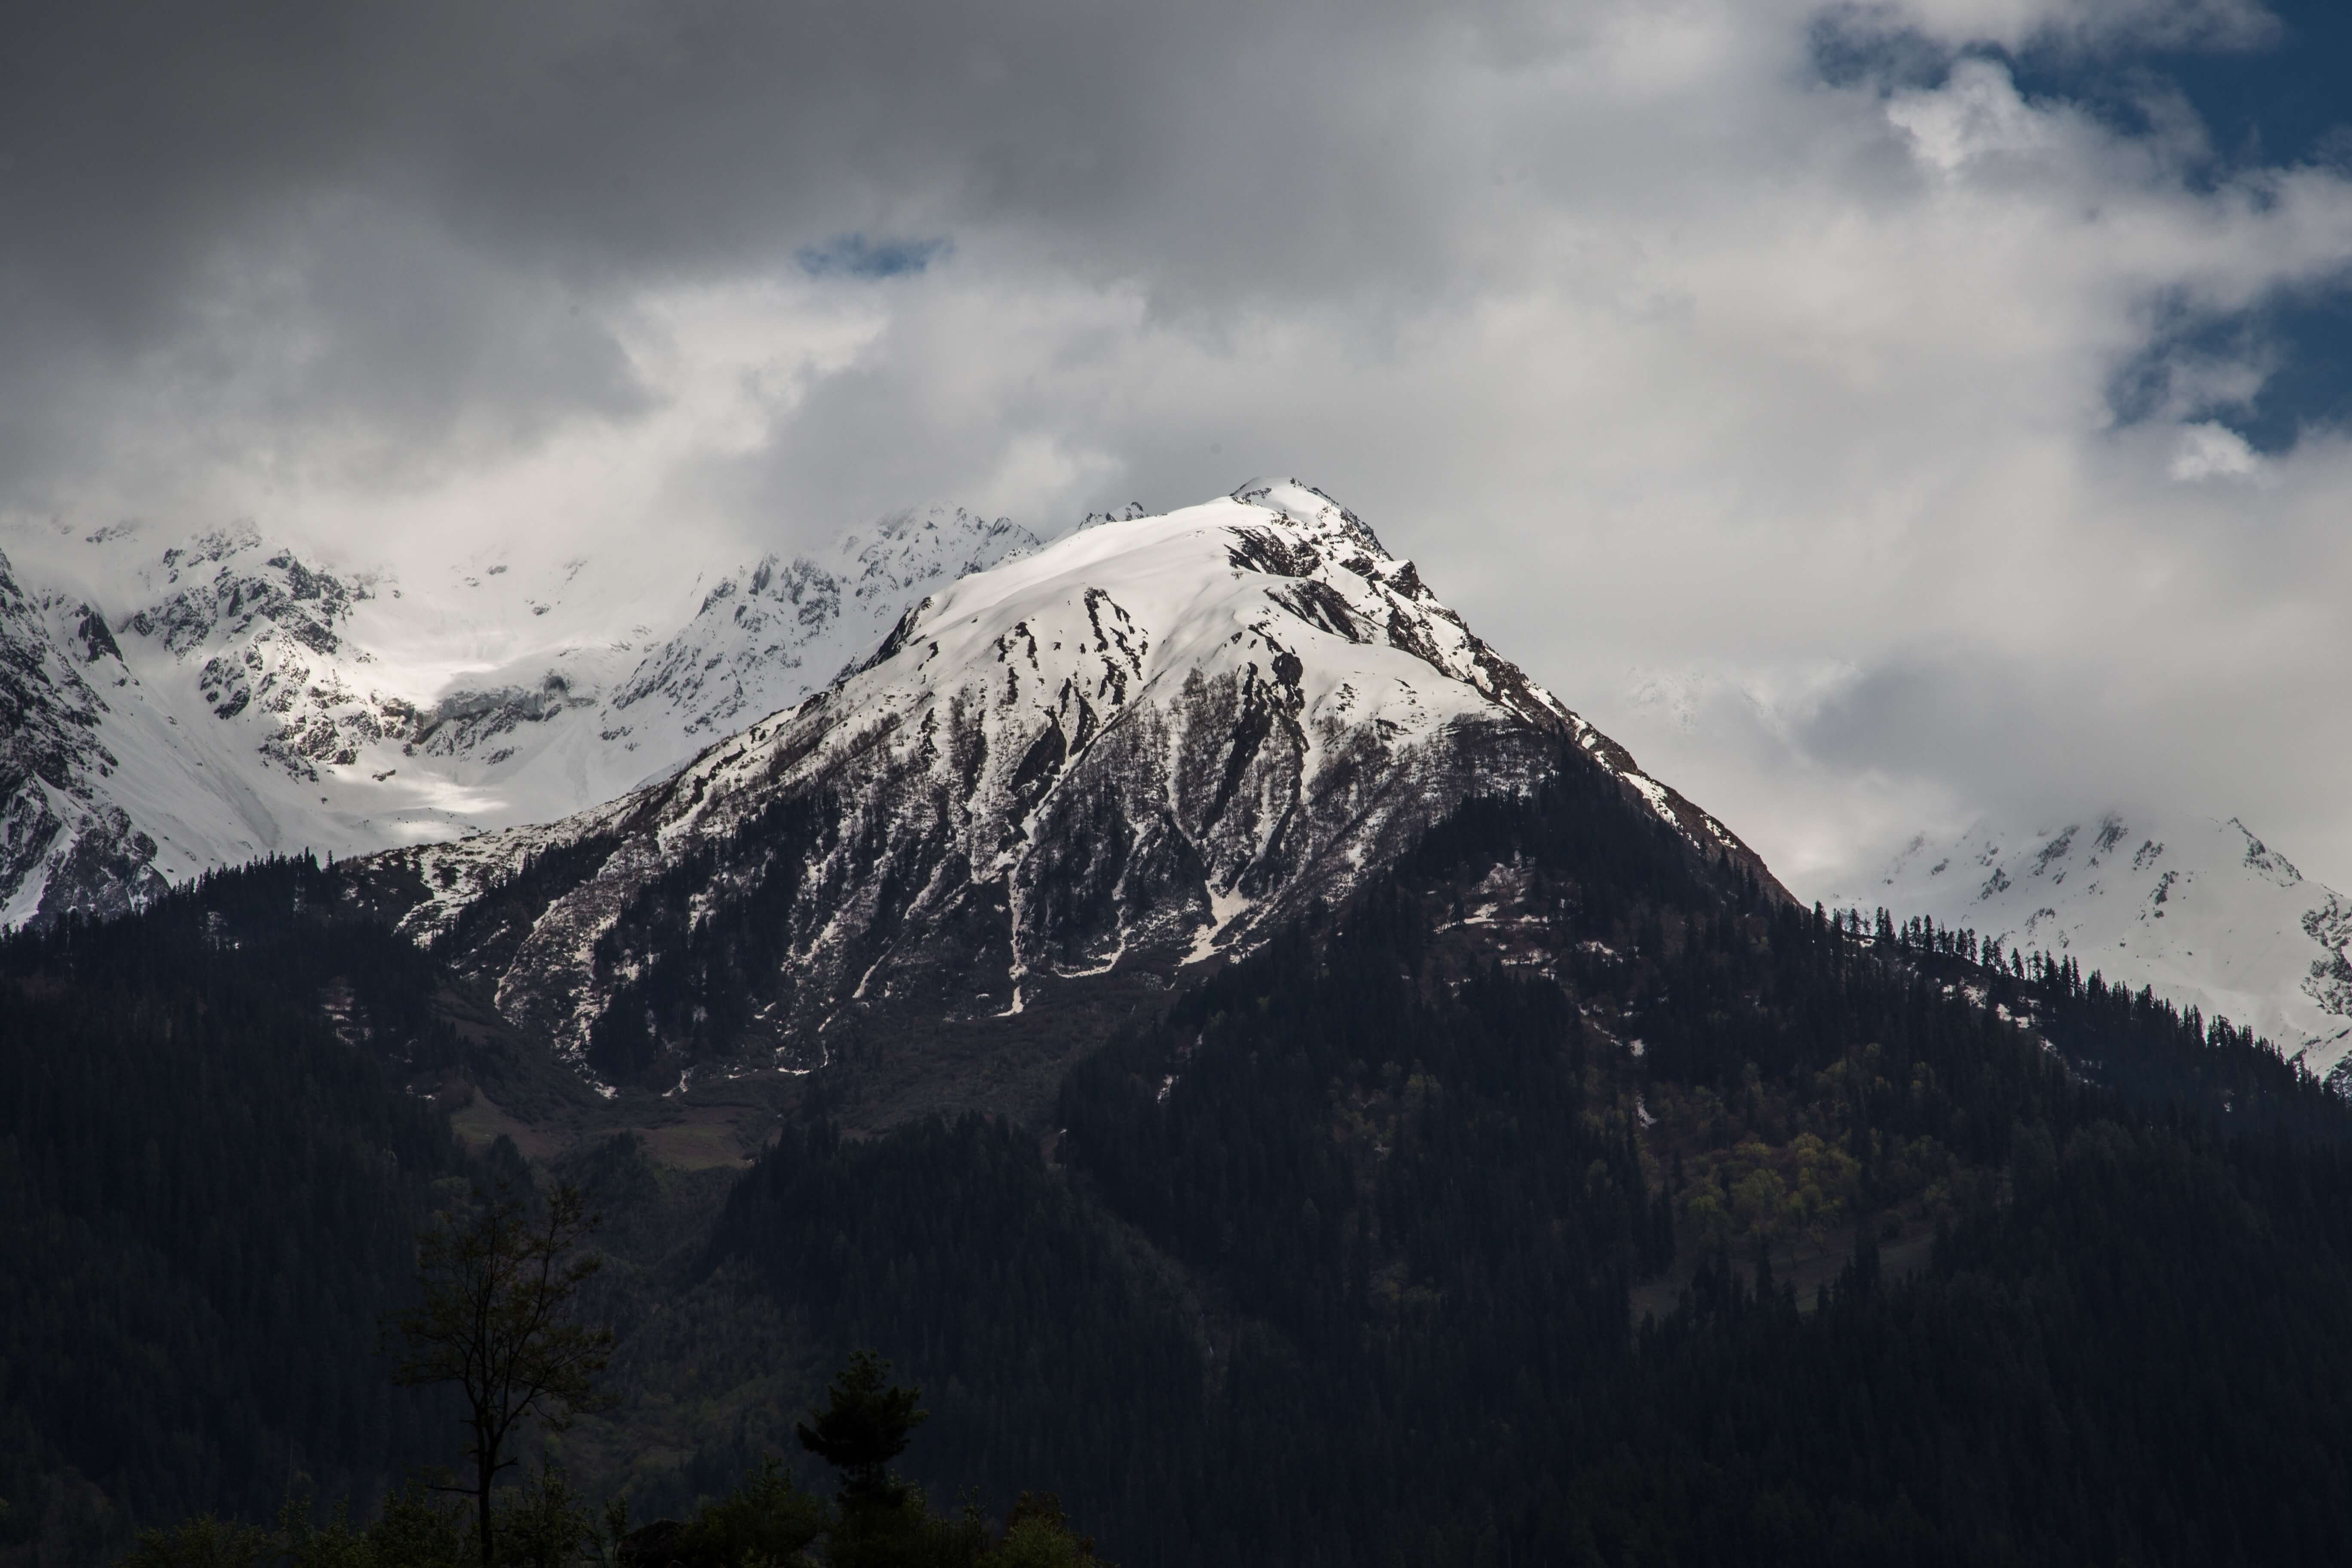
(1976, 113)
(2211, 451)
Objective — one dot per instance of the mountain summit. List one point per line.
(1147, 743)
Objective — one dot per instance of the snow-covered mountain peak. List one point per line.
(766, 635)
(1309, 507)
(1278, 588)
(1152, 740)
(227, 694)
(909, 548)
(2266, 862)
(2201, 910)
(219, 587)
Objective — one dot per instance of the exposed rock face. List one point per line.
(63, 847)
(267, 627)
(774, 632)
(1151, 742)
(107, 868)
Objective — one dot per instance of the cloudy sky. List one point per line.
(1876, 413)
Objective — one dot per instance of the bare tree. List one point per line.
(501, 1281)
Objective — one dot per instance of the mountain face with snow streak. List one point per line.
(2202, 910)
(1153, 741)
(766, 636)
(58, 827)
(224, 698)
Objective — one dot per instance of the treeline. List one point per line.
(2133, 1039)
(206, 1200)
(1058, 1351)
(497, 1322)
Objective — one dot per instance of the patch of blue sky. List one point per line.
(2269, 372)
(856, 256)
(2273, 370)
(2281, 101)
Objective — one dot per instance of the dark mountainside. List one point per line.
(1563, 1195)
(1055, 791)
(206, 1198)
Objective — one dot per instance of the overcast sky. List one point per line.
(1874, 414)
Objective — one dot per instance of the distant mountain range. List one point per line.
(2204, 911)
(1272, 704)
(199, 704)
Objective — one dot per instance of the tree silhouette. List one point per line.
(499, 1285)
(864, 1426)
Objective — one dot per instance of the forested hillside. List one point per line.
(1565, 1197)
(209, 1189)
(1411, 1179)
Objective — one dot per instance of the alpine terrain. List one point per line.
(1273, 1077)
(2202, 910)
(1148, 743)
(163, 712)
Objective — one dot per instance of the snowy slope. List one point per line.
(175, 705)
(2202, 910)
(1147, 742)
(57, 823)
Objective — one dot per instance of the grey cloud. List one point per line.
(597, 136)
(390, 213)
(1652, 344)
(2016, 739)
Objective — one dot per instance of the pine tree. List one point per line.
(865, 1424)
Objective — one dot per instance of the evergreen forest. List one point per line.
(1566, 1196)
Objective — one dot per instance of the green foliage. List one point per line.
(416, 1529)
(1056, 1349)
(411, 1532)
(1037, 1534)
(1408, 1189)
(544, 1523)
(2092, 1373)
(305, 1543)
(768, 1523)
(901, 1531)
(1331, 1259)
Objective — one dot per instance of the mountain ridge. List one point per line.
(1139, 747)
(241, 700)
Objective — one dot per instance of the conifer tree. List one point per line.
(865, 1424)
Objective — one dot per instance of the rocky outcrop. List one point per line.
(770, 633)
(63, 847)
